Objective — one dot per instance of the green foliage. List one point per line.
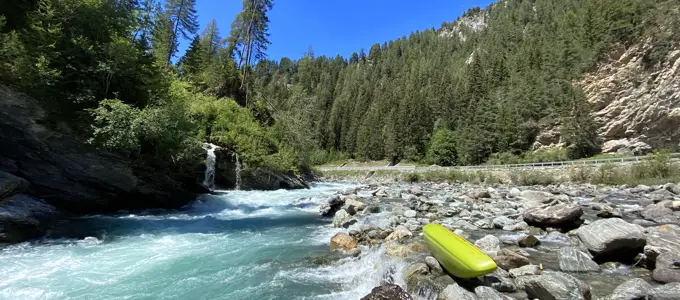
(412, 177)
(538, 156)
(442, 149)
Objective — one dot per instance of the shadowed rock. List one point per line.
(572, 259)
(612, 238)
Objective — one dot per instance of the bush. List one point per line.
(442, 148)
(412, 177)
(528, 178)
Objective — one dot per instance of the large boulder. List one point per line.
(342, 219)
(669, 291)
(507, 259)
(487, 293)
(661, 239)
(632, 289)
(667, 267)
(489, 244)
(387, 291)
(556, 216)
(660, 213)
(572, 259)
(612, 238)
(555, 286)
(354, 206)
(267, 179)
(331, 206)
(535, 198)
(343, 241)
(10, 185)
(23, 217)
(456, 292)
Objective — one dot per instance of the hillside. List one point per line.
(511, 78)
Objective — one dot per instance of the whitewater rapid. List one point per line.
(239, 245)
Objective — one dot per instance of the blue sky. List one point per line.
(334, 27)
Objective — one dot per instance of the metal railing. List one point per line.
(585, 162)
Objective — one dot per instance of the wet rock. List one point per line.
(612, 238)
(500, 281)
(508, 259)
(399, 233)
(456, 292)
(659, 214)
(484, 224)
(557, 216)
(669, 291)
(23, 217)
(661, 239)
(387, 291)
(333, 204)
(535, 198)
(434, 265)
(528, 241)
(410, 213)
(343, 241)
(502, 221)
(571, 259)
(517, 227)
(487, 293)
(606, 211)
(525, 271)
(372, 209)
(465, 225)
(11, 185)
(489, 244)
(343, 219)
(667, 267)
(632, 289)
(555, 286)
(415, 269)
(353, 206)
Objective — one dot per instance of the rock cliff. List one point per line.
(636, 107)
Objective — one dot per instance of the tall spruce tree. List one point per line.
(182, 14)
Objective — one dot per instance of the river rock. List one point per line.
(667, 267)
(23, 217)
(514, 192)
(353, 206)
(11, 185)
(331, 206)
(399, 233)
(632, 289)
(342, 219)
(556, 216)
(508, 259)
(387, 291)
(343, 241)
(516, 227)
(661, 239)
(669, 291)
(487, 293)
(528, 241)
(410, 213)
(535, 198)
(571, 259)
(500, 281)
(479, 194)
(489, 244)
(659, 214)
(434, 265)
(502, 221)
(612, 237)
(525, 271)
(456, 292)
(555, 286)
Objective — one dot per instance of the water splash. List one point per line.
(237, 170)
(211, 159)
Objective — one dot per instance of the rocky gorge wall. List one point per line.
(636, 107)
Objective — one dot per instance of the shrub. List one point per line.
(442, 148)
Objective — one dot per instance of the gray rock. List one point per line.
(455, 292)
(484, 224)
(535, 198)
(434, 265)
(517, 227)
(555, 286)
(487, 293)
(500, 281)
(387, 291)
(525, 271)
(479, 194)
(372, 209)
(606, 211)
(661, 239)
(465, 225)
(23, 217)
(410, 214)
(343, 219)
(11, 185)
(644, 223)
(332, 205)
(673, 188)
(571, 259)
(514, 192)
(669, 291)
(660, 214)
(489, 244)
(612, 237)
(667, 267)
(528, 241)
(502, 221)
(508, 259)
(556, 216)
(632, 289)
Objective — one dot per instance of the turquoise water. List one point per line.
(240, 245)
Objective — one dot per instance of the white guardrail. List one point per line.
(585, 162)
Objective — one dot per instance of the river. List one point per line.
(238, 245)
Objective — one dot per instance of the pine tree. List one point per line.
(211, 40)
(182, 14)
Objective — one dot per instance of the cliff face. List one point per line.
(70, 176)
(636, 108)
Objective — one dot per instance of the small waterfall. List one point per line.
(237, 170)
(211, 159)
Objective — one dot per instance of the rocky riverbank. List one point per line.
(569, 241)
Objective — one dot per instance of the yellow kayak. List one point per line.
(458, 256)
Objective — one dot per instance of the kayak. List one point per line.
(458, 256)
